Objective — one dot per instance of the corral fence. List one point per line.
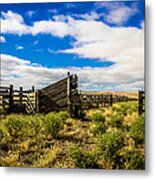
(101, 100)
(59, 96)
(141, 100)
(16, 101)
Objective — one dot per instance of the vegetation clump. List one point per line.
(116, 120)
(82, 158)
(53, 123)
(110, 142)
(137, 130)
(98, 117)
(113, 139)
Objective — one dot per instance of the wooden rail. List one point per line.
(141, 101)
(58, 96)
(61, 95)
(13, 100)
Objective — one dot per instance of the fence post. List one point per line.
(32, 88)
(37, 101)
(11, 99)
(69, 109)
(110, 100)
(140, 100)
(20, 95)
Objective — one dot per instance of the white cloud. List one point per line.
(13, 23)
(142, 24)
(2, 39)
(117, 12)
(53, 11)
(22, 72)
(30, 13)
(19, 47)
(55, 28)
(88, 16)
(94, 40)
(120, 15)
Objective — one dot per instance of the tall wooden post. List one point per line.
(37, 101)
(21, 95)
(97, 104)
(33, 99)
(110, 100)
(140, 102)
(32, 88)
(11, 99)
(69, 108)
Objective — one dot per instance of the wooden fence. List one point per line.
(95, 101)
(141, 100)
(13, 100)
(59, 96)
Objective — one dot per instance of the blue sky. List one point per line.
(100, 41)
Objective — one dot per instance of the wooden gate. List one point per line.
(4, 99)
(17, 101)
(58, 96)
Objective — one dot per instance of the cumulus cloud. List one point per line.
(22, 72)
(2, 39)
(59, 29)
(19, 47)
(92, 39)
(123, 46)
(13, 23)
(117, 12)
(88, 16)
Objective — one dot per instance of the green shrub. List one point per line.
(128, 107)
(98, 117)
(16, 125)
(137, 130)
(53, 123)
(63, 115)
(98, 128)
(134, 160)
(36, 124)
(116, 108)
(83, 159)
(110, 142)
(3, 131)
(116, 120)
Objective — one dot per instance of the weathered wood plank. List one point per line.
(55, 85)
(4, 87)
(4, 93)
(54, 92)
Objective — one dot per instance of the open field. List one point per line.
(106, 138)
(132, 94)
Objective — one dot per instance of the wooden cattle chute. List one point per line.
(58, 96)
(16, 101)
(141, 100)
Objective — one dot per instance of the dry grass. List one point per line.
(45, 151)
(132, 94)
